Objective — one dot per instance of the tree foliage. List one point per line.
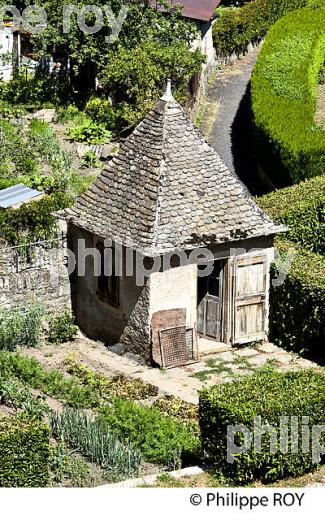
(151, 46)
(246, 23)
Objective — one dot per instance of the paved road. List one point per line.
(228, 105)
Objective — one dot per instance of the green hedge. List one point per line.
(269, 396)
(24, 452)
(289, 145)
(160, 439)
(237, 27)
(302, 209)
(298, 305)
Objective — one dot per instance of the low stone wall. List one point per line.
(35, 273)
(200, 82)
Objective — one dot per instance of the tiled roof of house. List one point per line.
(167, 189)
(201, 10)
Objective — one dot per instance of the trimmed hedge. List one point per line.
(237, 27)
(302, 209)
(298, 305)
(289, 145)
(160, 439)
(24, 452)
(269, 396)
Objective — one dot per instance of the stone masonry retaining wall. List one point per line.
(35, 273)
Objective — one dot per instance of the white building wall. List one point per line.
(204, 42)
(6, 47)
(207, 46)
(175, 289)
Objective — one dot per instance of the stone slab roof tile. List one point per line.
(167, 189)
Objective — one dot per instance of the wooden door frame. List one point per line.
(249, 259)
(227, 302)
(226, 322)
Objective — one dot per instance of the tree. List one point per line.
(135, 78)
(151, 46)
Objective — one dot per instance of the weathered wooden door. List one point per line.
(250, 278)
(210, 303)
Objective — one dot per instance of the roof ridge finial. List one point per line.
(168, 96)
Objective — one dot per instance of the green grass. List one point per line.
(227, 369)
(223, 367)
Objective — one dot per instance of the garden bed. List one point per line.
(160, 428)
(44, 155)
(97, 405)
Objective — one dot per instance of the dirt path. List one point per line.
(225, 122)
(320, 108)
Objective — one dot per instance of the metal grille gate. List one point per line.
(178, 346)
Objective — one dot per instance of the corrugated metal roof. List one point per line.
(17, 194)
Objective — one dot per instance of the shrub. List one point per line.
(21, 327)
(101, 110)
(33, 221)
(160, 439)
(26, 150)
(8, 110)
(62, 328)
(17, 158)
(136, 75)
(71, 114)
(6, 183)
(97, 443)
(289, 145)
(187, 413)
(90, 133)
(25, 450)
(15, 395)
(29, 89)
(90, 160)
(236, 28)
(302, 209)
(298, 305)
(268, 397)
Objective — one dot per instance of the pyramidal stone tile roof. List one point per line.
(168, 190)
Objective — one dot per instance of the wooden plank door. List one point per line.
(210, 303)
(250, 291)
